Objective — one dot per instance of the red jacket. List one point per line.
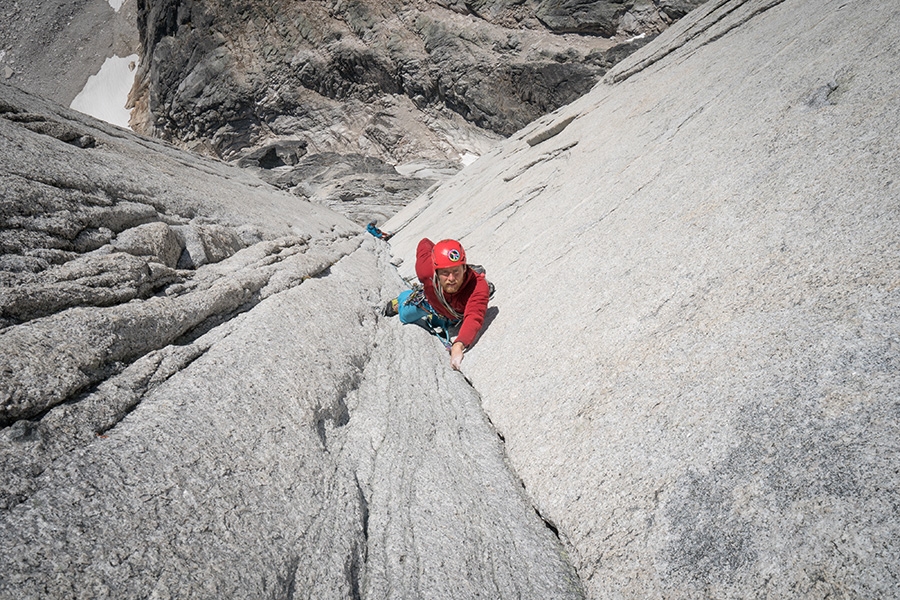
(470, 301)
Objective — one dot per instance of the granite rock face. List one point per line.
(200, 399)
(694, 362)
(389, 79)
(116, 248)
(690, 368)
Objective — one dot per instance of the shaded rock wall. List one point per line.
(394, 80)
(421, 86)
(425, 85)
(694, 360)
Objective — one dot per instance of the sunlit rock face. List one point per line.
(686, 387)
(200, 399)
(694, 360)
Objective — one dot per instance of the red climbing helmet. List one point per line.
(447, 254)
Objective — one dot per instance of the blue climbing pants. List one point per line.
(409, 313)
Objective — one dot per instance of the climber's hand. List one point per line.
(456, 355)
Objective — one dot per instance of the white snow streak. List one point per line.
(105, 94)
(468, 158)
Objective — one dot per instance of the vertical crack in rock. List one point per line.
(438, 497)
(287, 583)
(548, 523)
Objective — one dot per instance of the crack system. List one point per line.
(704, 22)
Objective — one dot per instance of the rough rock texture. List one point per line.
(236, 425)
(93, 216)
(403, 83)
(409, 84)
(360, 187)
(388, 79)
(696, 357)
(583, 16)
(51, 47)
(692, 357)
(277, 456)
(425, 85)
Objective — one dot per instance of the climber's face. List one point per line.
(451, 279)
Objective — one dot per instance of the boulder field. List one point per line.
(686, 386)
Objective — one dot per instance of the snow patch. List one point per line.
(105, 94)
(116, 4)
(468, 158)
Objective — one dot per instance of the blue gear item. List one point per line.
(414, 308)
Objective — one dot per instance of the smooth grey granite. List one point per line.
(695, 358)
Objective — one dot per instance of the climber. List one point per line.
(381, 235)
(453, 293)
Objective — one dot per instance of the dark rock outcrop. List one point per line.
(360, 187)
(409, 84)
(272, 84)
(583, 16)
(387, 79)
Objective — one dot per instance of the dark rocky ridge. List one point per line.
(397, 82)
(222, 76)
(422, 86)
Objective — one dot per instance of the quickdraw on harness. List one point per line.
(436, 323)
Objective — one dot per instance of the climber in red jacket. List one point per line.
(453, 293)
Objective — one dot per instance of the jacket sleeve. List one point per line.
(473, 317)
(424, 265)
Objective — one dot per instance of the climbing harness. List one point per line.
(433, 322)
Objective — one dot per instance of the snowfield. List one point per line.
(105, 94)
